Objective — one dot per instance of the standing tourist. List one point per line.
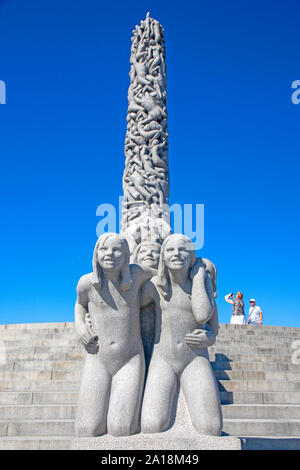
(238, 314)
(255, 314)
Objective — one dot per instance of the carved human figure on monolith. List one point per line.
(147, 255)
(107, 322)
(146, 174)
(183, 293)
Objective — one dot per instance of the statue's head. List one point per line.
(111, 254)
(147, 254)
(177, 253)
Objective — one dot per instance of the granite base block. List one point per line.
(163, 441)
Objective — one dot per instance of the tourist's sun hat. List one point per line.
(252, 300)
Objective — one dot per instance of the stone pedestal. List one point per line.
(180, 436)
(162, 441)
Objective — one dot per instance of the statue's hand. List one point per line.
(89, 342)
(197, 268)
(200, 339)
(92, 347)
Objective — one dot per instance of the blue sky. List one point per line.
(233, 135)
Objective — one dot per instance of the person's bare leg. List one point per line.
(126, 396)
(202, 396)
(159, 396)
(93, 399)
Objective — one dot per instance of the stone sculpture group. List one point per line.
(147, 313)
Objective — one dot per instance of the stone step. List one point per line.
(265, 329)
(68, 329)
(247, 348)
(259, 333)
(262, 427)
(260, 397)
(41, 343)
(41, 412)
(214, 354)
(255, 342)
(37, 326)
(39, 351)
(30, 348)
(257, 375)
(35, 443)
(69, 383)
(255, 366)
(67, 411)
(38, 398)
(225, 330)
(29, 357)
(256, 411)
(41, 397)
(46, 365)
(239, 357)
(50, 427)
(13, 376)
(62, 339)
(76, 363)
(234, 427)
(259, 386)
(270, 443)
(73, 375)
(260, 354)
(40, 385)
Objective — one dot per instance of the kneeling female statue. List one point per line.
(186, 324)
(107, 322)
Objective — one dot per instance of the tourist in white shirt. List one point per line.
(255, 314)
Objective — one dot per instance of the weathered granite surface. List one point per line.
(163, 307)
(152, 442)
(146, 174)
(182, 436)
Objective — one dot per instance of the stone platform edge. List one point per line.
(156, 442)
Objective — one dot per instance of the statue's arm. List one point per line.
(206, 336)
(148, 294)
(203, 304)
(213, 322)
(81, 310)
(141, 274)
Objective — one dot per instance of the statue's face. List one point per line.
(177, 254)
(149, 255)
(111, 254)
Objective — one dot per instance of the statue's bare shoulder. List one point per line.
(85, 282)
(83, 287)
(140, 274)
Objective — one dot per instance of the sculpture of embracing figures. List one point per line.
(162, 307)
(107, 321)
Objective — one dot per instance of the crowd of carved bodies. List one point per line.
(146, 175)
(162, 308)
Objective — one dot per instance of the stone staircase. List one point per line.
(40, 368)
